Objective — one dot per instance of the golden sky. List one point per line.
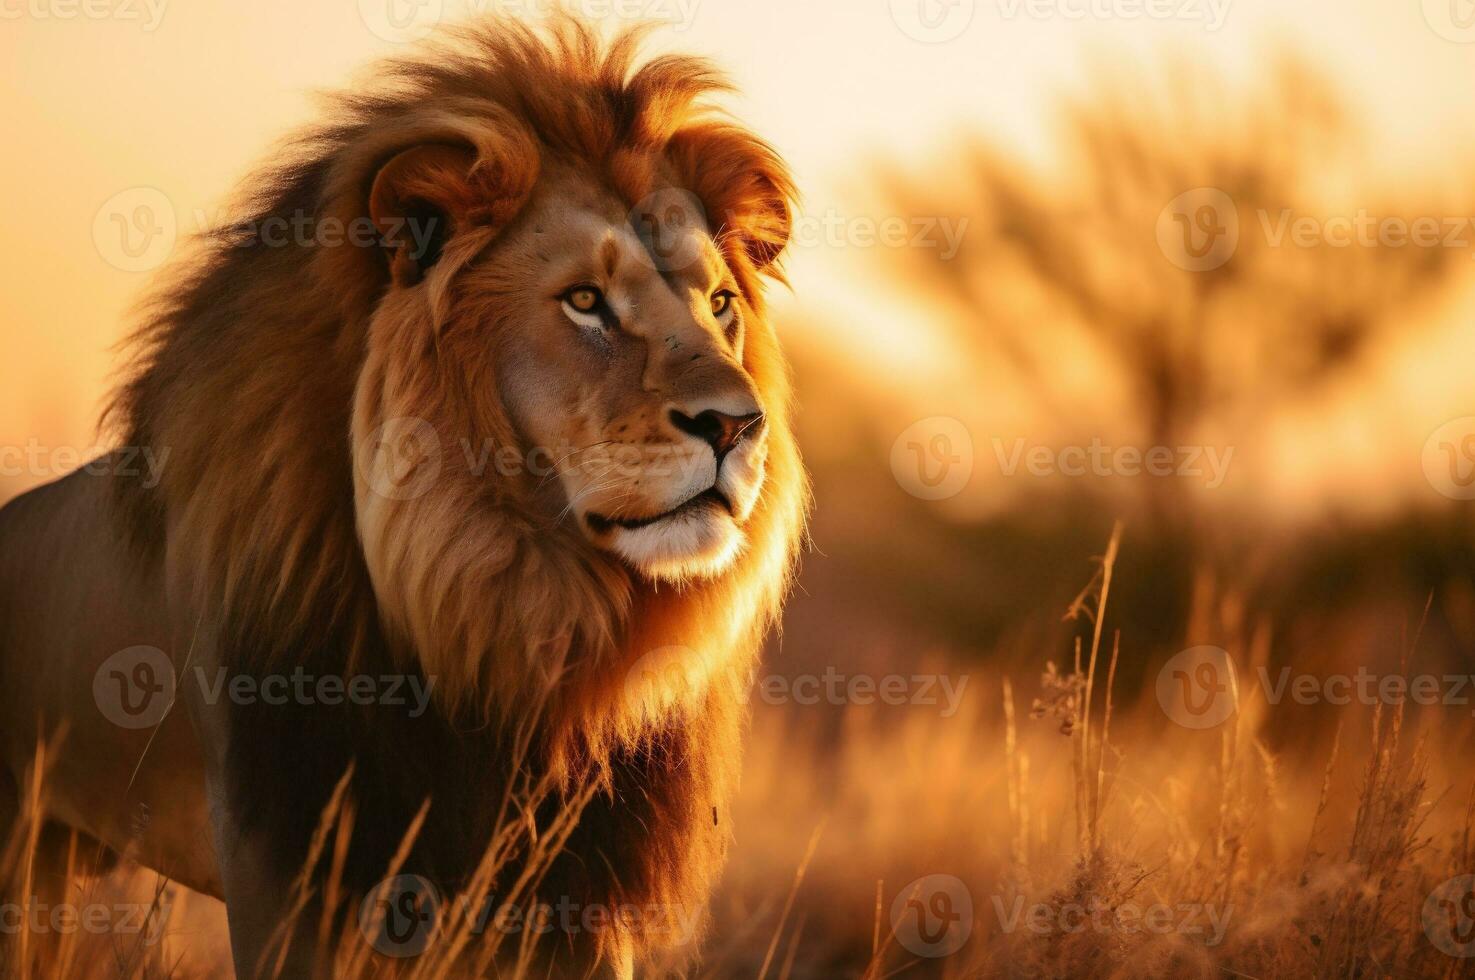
(184, 96)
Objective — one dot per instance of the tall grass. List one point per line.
(1092, 802)
(1315, 870)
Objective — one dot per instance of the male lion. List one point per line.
(522, 442)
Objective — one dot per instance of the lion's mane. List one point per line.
(247, 368)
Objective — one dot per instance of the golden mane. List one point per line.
(247, 365)
(260, 367)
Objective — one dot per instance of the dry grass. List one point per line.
(1069, 825)
(1315, 873)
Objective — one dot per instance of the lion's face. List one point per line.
(608, 343)
(622, 370)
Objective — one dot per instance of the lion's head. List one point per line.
(535, 423)
(611, 333)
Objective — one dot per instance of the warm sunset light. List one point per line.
(689, 488)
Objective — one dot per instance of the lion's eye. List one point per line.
(585, 299)
(722, 303)
(586, 306)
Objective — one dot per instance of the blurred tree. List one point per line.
(1204, 326)
(1169, 247)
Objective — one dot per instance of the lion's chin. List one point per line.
(682, 547)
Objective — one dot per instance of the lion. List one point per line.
(478, 401)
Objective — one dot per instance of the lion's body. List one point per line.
(269, 548)
(71, 595)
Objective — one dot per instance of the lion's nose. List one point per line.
(719, 430)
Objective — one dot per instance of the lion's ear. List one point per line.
(427, 193)
(744, 186)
